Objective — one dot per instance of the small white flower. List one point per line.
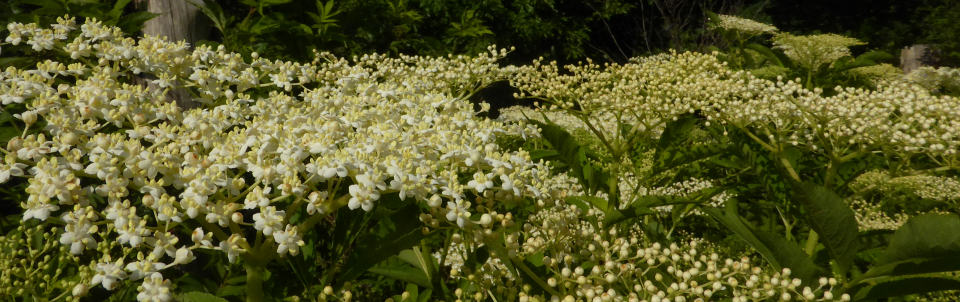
(154, 289)
(362, 197)
(268, 220)
(108, 273)
(184, 255)
(201, 238)
(457, 212)
(288, 241)
(143, 267)
(232, 247)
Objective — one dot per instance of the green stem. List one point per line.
(254, 281)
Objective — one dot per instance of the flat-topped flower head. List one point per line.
(813, 51)
(743, 25)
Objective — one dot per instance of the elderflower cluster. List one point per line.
(871, 216)
(938, 188)
(742, 25)
(940, 79)
(897, 117)
(878, 74)
(141, 183)
(813, 51)
(585, 263)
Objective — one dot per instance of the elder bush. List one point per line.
(336, 179)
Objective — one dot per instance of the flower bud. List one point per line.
(434, 201)
(29, 117)
(486, 220)
(184, 255)
(80, 290)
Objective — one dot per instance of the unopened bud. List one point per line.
(29, 117)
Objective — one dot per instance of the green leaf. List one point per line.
(422, 261)
(583, 201)
(914, 266)
(117, 9)
(199, 297)
(925, 236)
(767, 53)
(575, 156)
(232, 291)
(212, 10)
(373, 249)
(776, 249)
(789, 254)
(18, 62)
(133, 22)
(676, 132)
(402, 272)
(906, 286)
(832, 219)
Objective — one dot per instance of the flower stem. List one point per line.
(254, 281)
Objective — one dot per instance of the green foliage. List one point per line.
(199, 297)
(821, 61)
(832, 219)
(118, 13)
(293, 29)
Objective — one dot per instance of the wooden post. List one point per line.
(915, 56)
(177, 20)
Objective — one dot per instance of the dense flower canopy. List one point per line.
(130, 184)
(269, 138)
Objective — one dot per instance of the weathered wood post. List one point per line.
(915, 56)
(177, 20)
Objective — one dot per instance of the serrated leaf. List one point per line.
(778, 251)
(133, 22)
(914, 266)
(199, 297)
(232, 291)
(832, 219)
(403, 273)
(575, 156)
(925, 236)
(422, 261)
(372, 249)
(767, 53)
(905, 286)
(117, 9)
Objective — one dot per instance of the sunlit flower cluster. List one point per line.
(878, 74)
(897, 116)
(139, 182)
(742, 25)
(938, 188)
(940, 79)
(871, 216)
(583, 262)
(813, 51)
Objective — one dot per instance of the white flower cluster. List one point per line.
(127, 170)
(878, 74)
(897, 117)
(939, 188)
(870, 216)
(743, 25)
(940, 79)
(813, 51)
(584, 263)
